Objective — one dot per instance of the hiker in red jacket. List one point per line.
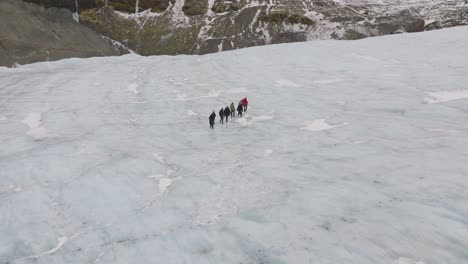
(245, 103)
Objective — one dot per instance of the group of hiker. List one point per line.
(229, 111)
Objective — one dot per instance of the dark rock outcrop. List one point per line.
(31, 33)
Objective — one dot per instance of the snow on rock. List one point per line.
(179, 16)
(118, 46)
(319, 125)
(445, 96)
(76, 17)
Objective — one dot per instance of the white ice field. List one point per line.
(352, 152)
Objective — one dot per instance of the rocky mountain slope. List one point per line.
(155, 27)
(30, 33)
(206, 26)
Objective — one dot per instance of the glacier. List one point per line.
(350, 152)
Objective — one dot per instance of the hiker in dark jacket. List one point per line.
(227, 113)
(240, 109)
(212, 119)
(221, 115)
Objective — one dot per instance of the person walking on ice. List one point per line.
(221, 116)
(227, 113)
(240, 108)
(245, 103)
(212, 119)
(233, 110)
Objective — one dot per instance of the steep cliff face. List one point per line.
(31, 33)
(206, 26)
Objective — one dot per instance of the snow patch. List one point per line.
(61, 242)
(319, 125)
(159, 158)
(238, 90)
(15, 188)
(146, 14)
(210, 5)
(358, 142)
(214, 93)
(164, 183)
(118, 46)
(183, 97)
(407, 261)
(445, 96)
(366, 57)
(33, 121)
(444, 131)
(191, 113)
(248, 120)
(286, 83)
(133, 87)
(267, 152)
(179, 16)
(327, 81)
(213, 211)
(254, 20)
(76, 17)
(156, 176)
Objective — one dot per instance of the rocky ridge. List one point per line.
(207, 26)
(170, 27)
